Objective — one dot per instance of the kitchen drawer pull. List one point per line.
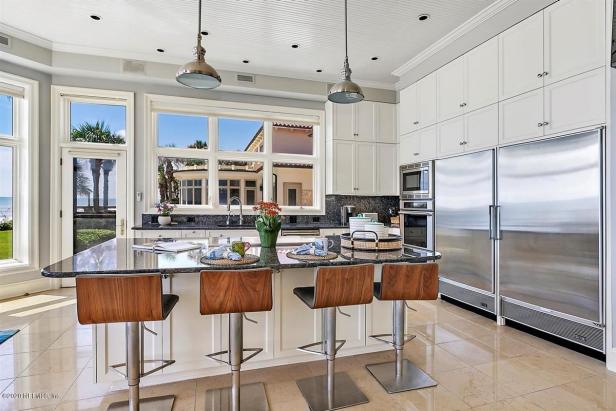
(539, 75)
(545, 123)
(545, 73)
(415, 122)
(539, 124)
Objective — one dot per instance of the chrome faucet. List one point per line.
(234, 198)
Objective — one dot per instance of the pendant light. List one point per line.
(197, 73)
(345, 91)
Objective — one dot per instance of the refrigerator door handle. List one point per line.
(499, 234)
(491, 226)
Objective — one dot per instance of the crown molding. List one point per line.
(469, 25)
(25, 36)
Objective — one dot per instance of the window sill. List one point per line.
(9, 267)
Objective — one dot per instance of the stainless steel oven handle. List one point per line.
(420, 213)
(499, 233)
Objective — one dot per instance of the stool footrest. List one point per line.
(305, 348)
(379, 337)
(165, 363)
(255, 352)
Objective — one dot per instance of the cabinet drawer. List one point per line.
(193, 233)
(161, 234)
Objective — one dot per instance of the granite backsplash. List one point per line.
(333, 204)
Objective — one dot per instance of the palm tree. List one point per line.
(82, 182)
(199, 144)
(96, 133)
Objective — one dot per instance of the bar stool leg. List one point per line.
(333, 390)
(400, 375)
(133, 375)
(228, 399)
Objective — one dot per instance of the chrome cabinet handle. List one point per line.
(539, 75)
(415, 154)
(545, 123)
(539, 124)
(491, 226)
(461, 142)
(463, 105)
(415, 122)
(545, 73)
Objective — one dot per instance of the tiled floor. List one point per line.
(477, 364)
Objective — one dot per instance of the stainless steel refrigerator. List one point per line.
(520, 230)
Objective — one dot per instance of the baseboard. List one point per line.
(26, 287)
(610, 359)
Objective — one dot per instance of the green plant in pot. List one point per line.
(268, 222)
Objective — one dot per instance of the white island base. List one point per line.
(186, 336)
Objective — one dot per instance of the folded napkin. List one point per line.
(222, 252)
(313, 248)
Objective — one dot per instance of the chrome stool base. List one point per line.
(410, 378)
(345, 392)
(252, 396)
(164, 403)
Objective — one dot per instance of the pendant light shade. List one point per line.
(197, 73)
(345, 91)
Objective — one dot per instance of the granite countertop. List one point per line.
(198, 226)
(117, 256)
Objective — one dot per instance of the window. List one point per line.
(255, 152)
(184, 131)
(180, 180)
(6, 115)
(98, 123)
(6, 203)
(240, 135)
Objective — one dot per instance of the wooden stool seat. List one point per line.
(407, 282)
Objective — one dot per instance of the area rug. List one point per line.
(6, 334)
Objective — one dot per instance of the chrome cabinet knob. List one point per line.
(415, 122)
(545, 73)
(545, 123)
(415, 154)
(539, 75)
(539, 124)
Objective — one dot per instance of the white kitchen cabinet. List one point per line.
(451, 136)
(386, 123)
(450, 89)
(193, 233)
(343, 167)
(160, 233)
(481, 128)
(574, 37)
(365, 118)
(521, 117)
(365, 169)
(521, 57)
(367, 121)
(333, 231)
(576, 102)
(233, 233)
(342, 121)
(387, 172)
(481, 76)
(418, 146)
(407, 109)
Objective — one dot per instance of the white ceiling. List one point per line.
(261, 31)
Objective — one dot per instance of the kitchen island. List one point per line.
(186, 336)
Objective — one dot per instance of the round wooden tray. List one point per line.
(247, 259)
(310, 257)
(391, 242)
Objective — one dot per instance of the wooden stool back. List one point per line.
(409, 281)
(241, 291)
(345, 285)
(119, 298)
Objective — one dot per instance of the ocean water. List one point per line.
(6, 208)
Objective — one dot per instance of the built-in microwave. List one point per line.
(416, 180)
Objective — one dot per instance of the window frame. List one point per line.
(214, 110)
(25, 170)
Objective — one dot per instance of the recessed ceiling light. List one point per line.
(204, 33)
(160, 50)
(423, 17)
(95, 17)
(295, 46)
(245, 61)
(319, 70)
(374, 58)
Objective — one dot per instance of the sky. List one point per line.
(6, 115)
(114, 116)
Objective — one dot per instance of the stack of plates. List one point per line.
(357, 224)
(378, 228)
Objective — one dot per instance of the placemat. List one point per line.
(310, 257)
(247, 259)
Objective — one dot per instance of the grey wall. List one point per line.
(44, 166)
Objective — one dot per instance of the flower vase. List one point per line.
(268, 238)
(164, 220)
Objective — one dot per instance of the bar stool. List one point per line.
(130, 299)
(236, 293)
(401, 282)
(334, 287)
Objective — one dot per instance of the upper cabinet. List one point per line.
(521, 57)
(365, 121)
(417, 107)
(574, 37)
(450, 89)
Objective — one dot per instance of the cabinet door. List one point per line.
(482, 75)
(365, 120)
(365, 168)
(521, 117)
(521, 57)
(426, 101)
(386, 123)
(450, 89)
(451, 136)
(427, 143)
(344, 167)
(387, 175)
(574, 35)
(410, 148)
(575, 102)
(407, 110)
(481, 128)
(344, 127)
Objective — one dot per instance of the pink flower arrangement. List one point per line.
(165, 208)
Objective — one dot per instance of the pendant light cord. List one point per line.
(199, 16)
(346, 44)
